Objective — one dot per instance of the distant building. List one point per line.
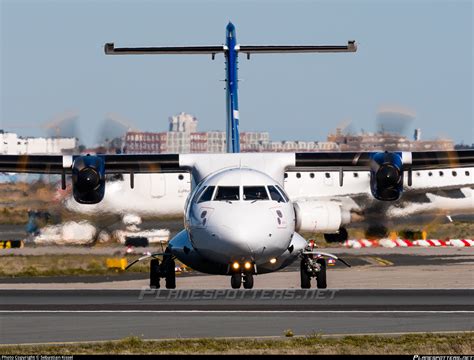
(12, 144)
(183, 138)
(254, 141)
(208, 142)
(386, 141)
(183, 123)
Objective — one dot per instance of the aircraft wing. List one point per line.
(114, 164)
(361, 160)
(157, 163)
(349, 185)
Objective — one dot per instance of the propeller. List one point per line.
(112, 131)
(394, 120)
(64, 124)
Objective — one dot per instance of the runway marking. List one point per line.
(383, 262)
(244, 311)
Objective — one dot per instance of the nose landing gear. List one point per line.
(237, 279)
(248, 281)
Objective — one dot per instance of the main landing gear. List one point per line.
(310, 268)
(237, 279)
(164, 270)
(338, 237)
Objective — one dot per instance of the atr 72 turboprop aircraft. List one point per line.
(239, 220)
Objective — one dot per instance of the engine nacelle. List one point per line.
(320, 216)
(88, 179)
(386, 176)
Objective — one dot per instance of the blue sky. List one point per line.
(412, 54)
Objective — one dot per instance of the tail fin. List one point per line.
(231, 51)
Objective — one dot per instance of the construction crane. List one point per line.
(120, 120)
(61, 124)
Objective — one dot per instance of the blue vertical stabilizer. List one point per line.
(230, 50)
(232, 135)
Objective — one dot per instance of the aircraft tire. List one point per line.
(236, 281)
(341, 236)
(305, 278)
(170, 274)
(321, 282)
(155, 274)
(248, 281)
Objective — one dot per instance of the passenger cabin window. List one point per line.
(227, 193)
(275, 194)
(283, 193)
(255, 193)
(207, 194)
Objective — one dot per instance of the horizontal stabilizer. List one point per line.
(273, 49)
(110, 49)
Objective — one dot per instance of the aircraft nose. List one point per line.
(236, 239)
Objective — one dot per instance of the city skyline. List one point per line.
(416, 55)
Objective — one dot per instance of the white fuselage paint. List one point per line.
(165, 194)
(241, 230)
(220, 232)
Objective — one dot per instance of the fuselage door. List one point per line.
(157, 185)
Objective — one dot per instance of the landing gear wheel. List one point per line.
(169, 272)
(321, 277)
(343, 235)
(305, 278)
(155, 274)
(376, 232)
(248, 281)
(340, 236)
(236, 280)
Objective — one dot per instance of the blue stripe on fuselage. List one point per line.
(232, 136)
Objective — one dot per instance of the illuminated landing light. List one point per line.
(236, 266)
(273, 261)
(248, 265)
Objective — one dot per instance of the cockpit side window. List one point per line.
(198, 193)
(207, 194)
(283, 193)
(275, 194)
(227, 193)
(255, 193)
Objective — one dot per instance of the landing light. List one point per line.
(248, 265)
(273, 261)
(236, 265)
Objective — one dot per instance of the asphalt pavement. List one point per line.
(34, 316)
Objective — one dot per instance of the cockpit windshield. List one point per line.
(207, 194)
(275, 194)
(283, 193)
(255, 193)
(226, 193)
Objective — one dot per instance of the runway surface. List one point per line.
(33, 316)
